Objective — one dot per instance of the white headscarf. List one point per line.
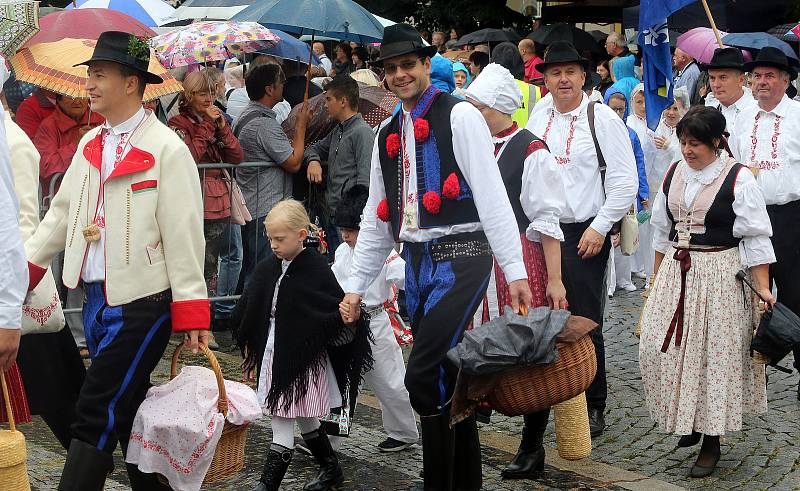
(495, 87)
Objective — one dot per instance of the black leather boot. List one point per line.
(278, 460)
(330, 473)
(86, 468)
(141, 481)
(468, 476)
(438, 453)
(529, 461)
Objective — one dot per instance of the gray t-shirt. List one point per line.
(263, 140)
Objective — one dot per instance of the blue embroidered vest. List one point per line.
(435, 161)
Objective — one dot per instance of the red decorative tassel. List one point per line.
(432, 202)
(451, 187)
(421, 130)
(383, 210)
(393, 145)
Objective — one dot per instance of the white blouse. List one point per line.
(663, 158)
(752, 223)
(543, 196)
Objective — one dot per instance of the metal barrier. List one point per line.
(212, 300)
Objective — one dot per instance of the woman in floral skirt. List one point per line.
(709, 221)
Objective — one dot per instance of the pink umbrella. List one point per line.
(699, 43)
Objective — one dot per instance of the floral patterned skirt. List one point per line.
(709, 381)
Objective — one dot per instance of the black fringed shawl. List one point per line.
(307, 320)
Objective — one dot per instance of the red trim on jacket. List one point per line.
(35, 275)
(190, 314)
(138, 186)
(136, 160)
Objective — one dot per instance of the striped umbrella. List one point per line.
(50, 66)
(151, 13)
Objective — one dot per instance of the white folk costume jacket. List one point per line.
(153, 223)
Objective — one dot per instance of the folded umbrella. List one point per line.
(510, 341)
(757, 41)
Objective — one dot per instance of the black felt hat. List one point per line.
(125, 49)
(772, 57)
(402, 39)
(562, 52)
(725, 58)
(592, 80)
(351, 207)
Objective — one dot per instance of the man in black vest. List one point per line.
(432, 190)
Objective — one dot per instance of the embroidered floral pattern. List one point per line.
(565, 158)
(776, 133)
(40, 316)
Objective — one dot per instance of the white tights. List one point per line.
(283, 429)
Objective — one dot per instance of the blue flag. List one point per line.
(656, 57)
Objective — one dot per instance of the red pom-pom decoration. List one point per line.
(432, 202)
(451, 187)
(383, 210)
(421, 130)
(393, 145)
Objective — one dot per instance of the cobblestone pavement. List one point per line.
(765, 455)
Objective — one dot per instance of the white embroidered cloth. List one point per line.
(177, 427)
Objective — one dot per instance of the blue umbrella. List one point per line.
(757, 41)
(339, 19)
(151, 13)
(289, 48)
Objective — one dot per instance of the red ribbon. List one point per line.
(676, 325)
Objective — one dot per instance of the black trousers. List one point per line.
(584, 280)
(125, 342)
(441, 298)
(786, 271)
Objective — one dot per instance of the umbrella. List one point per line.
(289, 48)
(699, 43)
(339, 19)
(19, 21)
(783, 31)
(211, 41)
(209, 9)
(485, 36)
(86, 24)
(582, 40)
(51, 66)
(375, 104)
(149, 12)
(757, 41)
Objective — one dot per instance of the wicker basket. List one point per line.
(530, 389)
(229, 454)
(13, 454)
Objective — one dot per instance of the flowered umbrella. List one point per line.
(50, 66)
(19, 21)
(699, 43)
(211, 41)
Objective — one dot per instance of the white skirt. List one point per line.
(709, 381)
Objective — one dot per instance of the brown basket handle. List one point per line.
(222, 403)
(7, 400)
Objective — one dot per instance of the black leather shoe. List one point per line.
(330, 473)
(86, 468)
(690, 440)
(597, 422)
(527, 464)
(699, 471)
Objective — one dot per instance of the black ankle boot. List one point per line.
(330, 473)
(529, 461)
(278, 460)
(469, 475)
(86, 468)
(689, 440)
(438, 452)
(141, 481)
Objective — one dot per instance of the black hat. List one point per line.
(725, 58)
(562, 52)
(349, 211)
(125, 49)
(402, 39)
(772, 57)
(592, 80)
